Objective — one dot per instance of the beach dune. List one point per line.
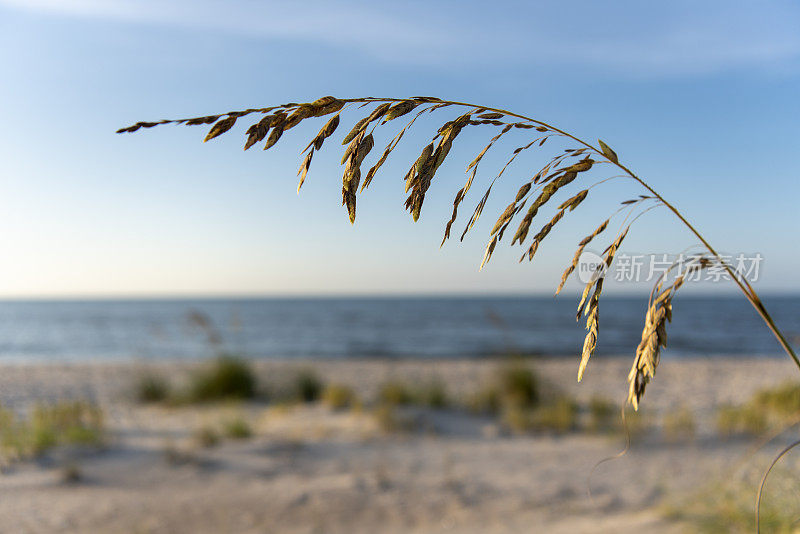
(310, 469)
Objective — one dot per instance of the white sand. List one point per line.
(310, 470)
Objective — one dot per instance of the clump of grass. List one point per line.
(515, 395)
(767, 408)
(432, 394)
(151, 387)
(66, 423)
(514, 386)
(237, 428)
(782, 402)
(307, 386)
(559, 417)
(50, 425)
(75, 422)
(603, 415)
(679, 425)
(10, 433)
(745, 420)
(206, 437)
(226, 378)
(339, 397)
(728, 508)
(517, 419)
(518, 386)
(41, 438)
(395, 393)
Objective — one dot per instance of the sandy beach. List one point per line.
(308, 468)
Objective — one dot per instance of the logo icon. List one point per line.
(591, 267)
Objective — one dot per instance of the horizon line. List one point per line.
(357, 295)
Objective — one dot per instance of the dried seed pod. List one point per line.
(389, 148)
(361, 125)
(476, 214)
(463, 191)
(400, 109)
(503, 229)
(419, 179)
(274, 136)
(364, 148)
(504, 218)
(610, 252)
(484, 121)
(354, 155)
(523, 191)
(299, 114)
(410, 179)
(654, 334)
(218, 129)
(489, 250)
(574, 201)
(586, 289)
(323, 101)
(327, 131)
(648, 352)
(607, 152)
(539, 237)
(258, 131)
(325, 106)
(561, 178)
(355, 131)
(423, 158)
(303, 171)
(456, 202)
(352, 147)
(585, 241)
(379, 112)
(197, 121)
(592, 325)
(349, 188)
(581, 166)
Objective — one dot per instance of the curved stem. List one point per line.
(742, 283)
(764, 481)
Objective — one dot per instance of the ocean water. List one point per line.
(436, 327)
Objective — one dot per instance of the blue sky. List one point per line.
(699, 98)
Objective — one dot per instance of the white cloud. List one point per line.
(326, 22)
(639, 38)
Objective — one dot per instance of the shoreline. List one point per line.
(489, 356)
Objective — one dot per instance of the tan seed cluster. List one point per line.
(560, 171)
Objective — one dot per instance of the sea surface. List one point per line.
(425, 327)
